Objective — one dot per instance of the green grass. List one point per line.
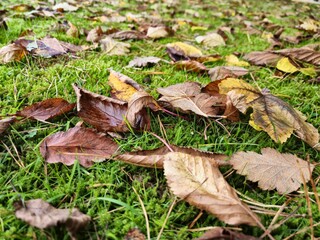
(105, 190)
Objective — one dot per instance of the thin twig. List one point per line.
(163, 141)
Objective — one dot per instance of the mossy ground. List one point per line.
(105, 190)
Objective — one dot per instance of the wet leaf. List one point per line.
(155, 158)
(41, 214)
(105, 114)
(82, 144)
(198, 182)
(222, 72)
(273, 170)
(46, 109)
(211, 40)
(113, 47)
(270, 113)
(123, 87)
(5, 123)
(220, 233)
(188, 97)
(12, 52)
(144, 61)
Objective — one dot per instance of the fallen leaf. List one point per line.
(273, 170)
(123, 87)
(233, 60)
(5, 123)
(198, 182)
(22, 8)
(220, 233)
(72, 31)
(130, 34)
(191, 65)
(158, 32)
(270, 113)
(82, 144)
(211, 40)
(144, 61)
(46, 109)
(134, 234)
(12, 52)
(222, 72)
(113, 47)
(65, 7)
(262, 58)
(184, 50)
(286, 66)
(188, 97)
(309, 25)
(41, 214)
(95, 35)
(155, 158)
(105, 114)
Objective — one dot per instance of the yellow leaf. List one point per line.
(310, 71)
(186, 49)
(252, 124)
(198, 28)
(286, 66)
(233, 60)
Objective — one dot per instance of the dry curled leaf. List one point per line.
(191, 65)
(182, 51)
(94, 35)
(222, 72)
(113, 47)
(46, 109)
(130, 34)
(188, 97)
(197, 181)
(144, 61)
(82, 144)
(12, 52)
(155, 158)
(273, 170)
(105, 114)
(270, 113)
(220, 233)
(5, 123)
(41, 214)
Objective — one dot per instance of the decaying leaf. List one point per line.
(113, 47)
(233, 60)
(105, 114)
(82, 144)
(5, 123)
(12, 52)
(155, 158)
(220, 233)
(211, 40)
(41, 214)
(123, 87)
(222, 72)
(273, 170)
(144, 61)
(270, 113)
(188, 97)
(191, 65)
(46, 109)
(197, 181)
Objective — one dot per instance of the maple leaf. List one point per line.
(46, 109)
(271, 169)
(270, 113)
(105, 114)
(82, 144)
(113, 47)
(41, 214)
(188, 97)
(198, 182)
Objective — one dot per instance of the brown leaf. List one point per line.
(191, 65)
(222, 72)
(159, 32)
(123, 87)
(41, 214)
(197, 181)
(135, 234)
(270, 113)
(82, 144)
(155, 158)
(46, 109)
(144, 61)
(220, 233)
(12, 52)
(130, 34)
(112, 47)
(188, 97)
(5, 123)
(64, 7)
(262, 58)
(273, 170)
(72, 31)
(105, 114)
(95, 35)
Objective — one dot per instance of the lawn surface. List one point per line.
(105, 190)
